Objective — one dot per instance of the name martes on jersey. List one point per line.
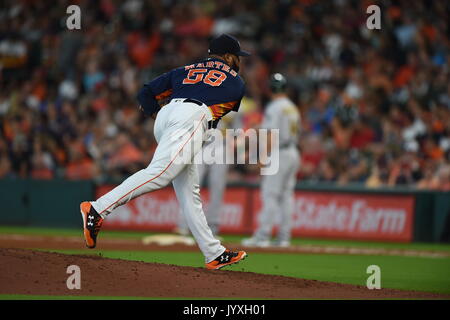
(213, 64)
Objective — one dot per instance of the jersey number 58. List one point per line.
(213, 77)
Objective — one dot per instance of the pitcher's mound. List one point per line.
(44, 273)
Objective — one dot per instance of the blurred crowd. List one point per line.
(375, 104)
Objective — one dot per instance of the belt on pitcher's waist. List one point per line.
(197, 102)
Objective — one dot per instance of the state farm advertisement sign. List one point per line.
(315, 214)
(350, 216)
(159, 211)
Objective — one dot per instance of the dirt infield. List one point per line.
(25, 271)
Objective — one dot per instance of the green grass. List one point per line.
(48, 297)
(38, 231)
(68, 297)
(229, 238)
(361, 244)
(407, 273)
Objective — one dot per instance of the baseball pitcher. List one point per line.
(277, 190)
(217, 178)
(200, 95)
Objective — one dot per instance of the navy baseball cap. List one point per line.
(226, 44)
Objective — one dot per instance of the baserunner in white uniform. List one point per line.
(200, 95)
(277, 191)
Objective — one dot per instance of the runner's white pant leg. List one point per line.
(292, 160)
(187, 189)
(202, 170)
(273, 194)
(270, 198)
(217, 183)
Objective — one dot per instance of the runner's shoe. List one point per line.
(254, 242)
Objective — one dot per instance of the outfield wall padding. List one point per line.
(43, 203)
(55, 203)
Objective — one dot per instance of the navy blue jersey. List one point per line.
(211, 81)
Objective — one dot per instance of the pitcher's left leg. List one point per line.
(187, 189)
(182, 227)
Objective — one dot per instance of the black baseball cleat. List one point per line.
(92, 222)
(225, 259)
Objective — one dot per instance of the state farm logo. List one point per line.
(148, 209)
(353, 216)
(155, 211)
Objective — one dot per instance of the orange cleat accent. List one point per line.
(92, 222)
(225, 259)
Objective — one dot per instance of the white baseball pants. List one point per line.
(180, 130)
(277, 195)
(217, 181)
